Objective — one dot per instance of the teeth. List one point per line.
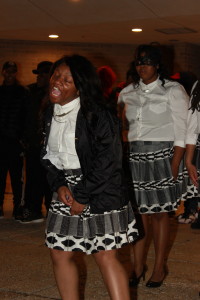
(56, 91)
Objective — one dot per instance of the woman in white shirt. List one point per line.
(193, 143)
(156, 112)
(192, 133)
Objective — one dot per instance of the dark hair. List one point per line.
(195, 102)
(154, 53)
(86, 81)
(131, 74)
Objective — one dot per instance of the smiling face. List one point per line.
(146, 69)
(62, 89)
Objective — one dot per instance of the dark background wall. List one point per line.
(178, 57)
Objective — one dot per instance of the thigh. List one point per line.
(104, 257)
(61, 256)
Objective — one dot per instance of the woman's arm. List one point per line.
(189, 165)
(177, 157)
(179, 103)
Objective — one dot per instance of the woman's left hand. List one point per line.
(76, 208)
(65, 195)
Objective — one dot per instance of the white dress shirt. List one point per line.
(61, 143)
(155, 112)
(193, 121)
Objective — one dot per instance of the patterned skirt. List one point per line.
(89, 233)
(192, 190)
(154, 188)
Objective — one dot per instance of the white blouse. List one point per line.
(193, 122)
(155, 112)
(61, 143)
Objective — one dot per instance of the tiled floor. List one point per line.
(26, 273)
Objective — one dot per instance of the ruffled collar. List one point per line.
(61, 112)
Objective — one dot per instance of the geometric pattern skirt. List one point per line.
(154, 187)
(89, 233)
(192, 190)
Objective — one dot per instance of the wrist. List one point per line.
(188, 163)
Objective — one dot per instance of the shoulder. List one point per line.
(171, 86)
(24, 90)
(129, 88)
(125, 92)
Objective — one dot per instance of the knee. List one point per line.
(104, 258)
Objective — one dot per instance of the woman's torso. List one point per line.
(149, 111)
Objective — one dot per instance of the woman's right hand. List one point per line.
(192, 171)
(65, 195)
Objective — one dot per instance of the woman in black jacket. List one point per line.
(82, 152)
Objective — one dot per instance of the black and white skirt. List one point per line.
(192, 190)
(154, 188)
(89, 233)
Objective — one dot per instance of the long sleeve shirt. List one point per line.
(193, 124)
(155, 112)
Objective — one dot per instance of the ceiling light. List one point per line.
(53, 36)
(136, 29)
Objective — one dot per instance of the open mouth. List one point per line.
(55, 91)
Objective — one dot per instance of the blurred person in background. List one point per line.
(36, 187)
(13, 112)
(193, 147)
(190, 203)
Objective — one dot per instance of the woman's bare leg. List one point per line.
(160, 227)
(114, 275)
(66, 274)
(139, 248)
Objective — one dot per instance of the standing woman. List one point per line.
(156, 111)
(82, 154)
(192, 159)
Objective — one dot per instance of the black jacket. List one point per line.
(99, 149)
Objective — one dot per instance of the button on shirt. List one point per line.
(61, 143)
(155, 112)
(193, 128)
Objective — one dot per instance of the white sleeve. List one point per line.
(192, 127)
(192, 123)
(120, 98)
(179, 103)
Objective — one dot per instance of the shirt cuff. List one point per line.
(191, 141)
(179, 144)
